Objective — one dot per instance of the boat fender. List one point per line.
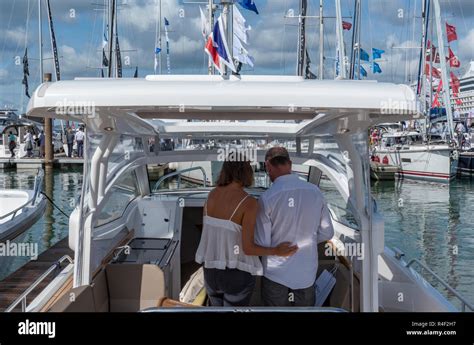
(385, 160)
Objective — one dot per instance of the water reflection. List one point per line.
(62, 186)
(432, 222)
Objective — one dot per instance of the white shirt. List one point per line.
(79, 136)
(293, 210)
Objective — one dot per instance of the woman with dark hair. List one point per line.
(227, 248)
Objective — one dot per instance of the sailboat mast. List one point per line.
(354, 44)
(40, 39)
(301, 37)
(210, 67)
(111, 34)
(321, 40)
(54, 47)
(340, 42)
(444, 70)
(159, 38)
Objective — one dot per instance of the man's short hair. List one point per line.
(277, 156)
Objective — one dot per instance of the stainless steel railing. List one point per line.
(22, 298)
(179, 173)
(464, 302)
(36, 190)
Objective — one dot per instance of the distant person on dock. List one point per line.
(70, 141)
(12, 144)
(41, 141)
(28, 143)
(79, 137)
(294, 211)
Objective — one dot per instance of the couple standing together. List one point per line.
(283, 228)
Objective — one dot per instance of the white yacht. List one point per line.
(19, 209)
(416, 159)
(134, 247)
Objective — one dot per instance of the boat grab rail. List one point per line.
(32, 200)
(464, 302)
(178, 173)
(22, 298)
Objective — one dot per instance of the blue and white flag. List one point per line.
(377, 53)
(362, 72)
(376, 67)
(363, 55)
(248, 5)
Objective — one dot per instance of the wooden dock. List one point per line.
(34, 163)
(16, 283)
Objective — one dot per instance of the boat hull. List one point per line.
(426, 163)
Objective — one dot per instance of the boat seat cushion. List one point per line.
(80, 299)
(133, 287)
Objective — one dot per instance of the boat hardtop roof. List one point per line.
(355, 105)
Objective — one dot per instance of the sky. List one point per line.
(391, 25)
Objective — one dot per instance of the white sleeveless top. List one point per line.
(221, 245)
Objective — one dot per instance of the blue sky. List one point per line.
(387, 24)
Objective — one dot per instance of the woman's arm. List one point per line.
(248, 231)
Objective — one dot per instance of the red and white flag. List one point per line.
(434, 72)
(453, 59)
(346, 25)
(451, 32)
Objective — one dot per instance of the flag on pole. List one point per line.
(363, 72)
(239, 27)
(434, 72)
(432, 53)
(249, 5)
(451, 32)
(455, 83)
(217, 48)
(377, 53)
(157, 52)
(204, 24)
(376, 67)
(26, 73)
(453, 59)
(363, 55)
(26, 69)
(105, 61)
(241, 54)
(105, 40)
(168, 62)
(346, 25)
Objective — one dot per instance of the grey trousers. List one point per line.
(278, 295)
(229, 287)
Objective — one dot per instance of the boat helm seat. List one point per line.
(117, 288)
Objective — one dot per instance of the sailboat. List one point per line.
(423, 156)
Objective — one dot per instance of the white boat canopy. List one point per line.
(355, 105)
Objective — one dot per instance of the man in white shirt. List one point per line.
(291, 210)
(79, 137)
